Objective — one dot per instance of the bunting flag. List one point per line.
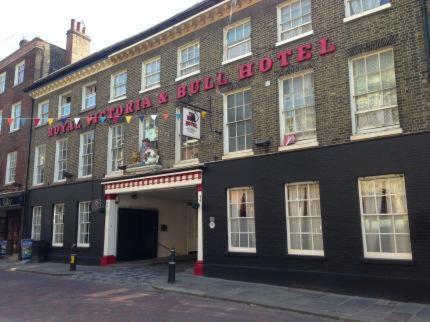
(9, 121)
(64, 120)
(77, 120)
(50, 120)
(89, 119)
(165, 116)
(102, 119)
(142, 117)
(128, 118)
(204, 113)
(178, 116)
(154, 116)
(36, 121)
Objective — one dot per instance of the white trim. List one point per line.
(8, 166)
(60, 98)
(226, 29)
(34, 210)
(84, 108)
(121, 98)
(3, 89)
(15, 79)
(39, 113)
(377, 134)
(143, 75)
(81, 151)
(364, 13)
(149, 89)
(56, 169)
(112, 97)
(83, 245)
(178, 60)
(238, 154)
(53, 224)
(36, 157)
(110, 171)
(299, 146)
(186, 163)
(13, 127)
(292, 39)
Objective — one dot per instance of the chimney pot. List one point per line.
(23, 42)
(83, 30)
(72, 24)
(78, 26)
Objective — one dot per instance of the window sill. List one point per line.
(83, 110)
(367, 13)
(286, 41)
(392, 261)
(235, 155)
(114, 174)
(374, 135)
(57, 245)
(186, 163)
(149, 89)
(226, 62)
(319, 258)
(13, 131)
(298, 146)
(241, 253)
(83, 246)
(179, 78)
(117, 99)
(59, 181)
(83, 178)
(37, 185)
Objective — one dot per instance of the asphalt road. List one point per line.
(32, 297)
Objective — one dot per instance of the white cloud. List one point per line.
(107, 22)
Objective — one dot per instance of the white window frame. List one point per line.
(81, 222)
(305, 252)
(11, 162)
(84, 106)
(239, 153)
(178, 144)
(179, 61)
(349, 17)
(240, 249)
(61, 106)
(37, 155)
(382, 255)
(43, 117)
(144, 87)
(57, 160)
(16, 117)
(82, 137)
(2, 82)
(17, 79)
(36, 223)
(279, 23)
(237, 24)
(380, 130)
(58, 226)
(114, 97)
(109, 152)
(142, 129)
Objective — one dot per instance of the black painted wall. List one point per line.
(337, 168)
(70, 195)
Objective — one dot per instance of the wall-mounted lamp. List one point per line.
(67, 175)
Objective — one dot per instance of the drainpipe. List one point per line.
(426, 34)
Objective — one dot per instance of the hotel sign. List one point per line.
(11, 201)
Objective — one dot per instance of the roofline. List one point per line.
(106, 52)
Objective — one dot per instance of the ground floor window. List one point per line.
(58, 226)
(304, 229)
(384, 217)
(241, 220)
(36, 223)
(84, 224)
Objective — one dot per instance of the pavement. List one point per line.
(320, 305)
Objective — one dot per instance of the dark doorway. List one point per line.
(137, 234)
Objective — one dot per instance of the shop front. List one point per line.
(11, 205)
(148, 215)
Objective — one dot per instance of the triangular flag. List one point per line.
(142, 117)
(77, 120)
(64, 120)
(178, 116)
(204, 113)
(154, 116)
(9, 121)
(89, 119)
(165, 116)
(50, 120)
(102, 119)
(128, 118)
(36, 121)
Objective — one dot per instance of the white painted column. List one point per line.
(198, 268)
(111, 231)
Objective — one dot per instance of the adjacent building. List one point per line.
(277, 141)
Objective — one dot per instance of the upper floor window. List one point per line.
(357, 7)
(238, 122)
(384, 217)
(19, 73)
(151, 74)
(39, 165)
(115, 147)
(118, 85)
(86, 154)
(16, 117)
(297, 108)
(2, 82)
(241, 220)
(373, 92)
(84, 221)
(43, 113)
(36, 223)
(65, 105)
(61, 155)
(189, 59)
(237, 40)
(1, 119)
(294, 20)
(148, 129)
(11, 167)
(187, 148)
(89, 96)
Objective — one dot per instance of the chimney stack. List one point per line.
(78, 43)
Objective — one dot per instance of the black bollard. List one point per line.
(73, 258)
(172, 266)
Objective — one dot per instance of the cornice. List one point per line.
(164, 37)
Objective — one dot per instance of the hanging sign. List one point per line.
(191, 122)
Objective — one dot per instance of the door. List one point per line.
(13, 231)
(137, 234)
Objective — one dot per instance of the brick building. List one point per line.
(280, 141)
(34, 59)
